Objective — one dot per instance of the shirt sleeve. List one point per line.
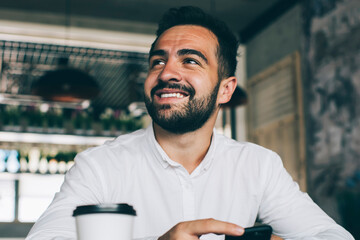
(84, 184)
(292, 213)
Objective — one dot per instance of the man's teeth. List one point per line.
(171, 95)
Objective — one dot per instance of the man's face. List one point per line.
(182, 84)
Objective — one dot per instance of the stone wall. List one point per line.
(327, 34)
(331, 79)
(280, 39)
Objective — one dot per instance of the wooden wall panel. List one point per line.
(275, 114)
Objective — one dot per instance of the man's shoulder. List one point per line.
(243, 152)
(129, 139)
(229, 143)
(129, 142)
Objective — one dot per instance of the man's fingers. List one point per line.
(205, 226)
(274, 237)
(194, 229)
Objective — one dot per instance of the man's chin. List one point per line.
(166, 117)
(171, 128)
(163, 107)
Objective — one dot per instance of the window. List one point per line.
(36, 192)
(7, 196)
(276, 114)
(24, 195)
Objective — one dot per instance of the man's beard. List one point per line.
(192, 115)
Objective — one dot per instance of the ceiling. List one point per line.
(238, 14)
(120, 73)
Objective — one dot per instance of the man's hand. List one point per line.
(194, 229)
(274, 237)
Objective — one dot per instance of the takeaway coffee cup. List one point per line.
(104, 221)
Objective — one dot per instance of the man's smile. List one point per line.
(171, 93)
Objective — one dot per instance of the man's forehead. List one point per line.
(192, 30)
(186, 37)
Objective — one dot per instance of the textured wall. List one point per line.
(277, 41)
(331, 77)
(328, 34)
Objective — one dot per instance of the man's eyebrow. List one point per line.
(159, 52)
(182, 52)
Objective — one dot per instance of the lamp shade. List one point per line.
(238, 98)
(66, 85)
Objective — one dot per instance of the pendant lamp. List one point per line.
(66, 84)
(238, 98)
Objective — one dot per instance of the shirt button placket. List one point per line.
(188, 197)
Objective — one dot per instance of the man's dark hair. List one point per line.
(228, 44)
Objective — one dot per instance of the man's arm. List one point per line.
(84, 184)
(81, 186)
(291, 213)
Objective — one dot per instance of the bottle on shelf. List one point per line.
(2, 160)
(69, 164)
(62, 167)
(13, 164)
(43, 165)
(53, 165)
(70, 160)
(34, 159)
(23, 164)
(61, 159)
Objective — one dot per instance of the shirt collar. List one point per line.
(166, 161)
(206, 162)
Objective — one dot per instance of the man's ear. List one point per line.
(226, 89)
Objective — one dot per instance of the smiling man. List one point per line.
(183, 63)
(183, 92)
(185, 180)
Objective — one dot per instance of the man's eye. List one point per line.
(191, 61)
(157, 62)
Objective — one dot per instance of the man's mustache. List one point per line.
(161, 85)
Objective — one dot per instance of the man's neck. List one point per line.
(188, 149)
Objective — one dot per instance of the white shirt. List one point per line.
(235, 182)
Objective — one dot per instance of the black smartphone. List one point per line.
(261, 232)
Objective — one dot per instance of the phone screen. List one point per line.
(262, 232)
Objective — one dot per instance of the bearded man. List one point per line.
(185, 180)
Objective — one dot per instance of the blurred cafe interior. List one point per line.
(72, 74)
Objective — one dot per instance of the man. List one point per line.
(183, 178)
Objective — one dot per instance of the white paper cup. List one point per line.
(104, 221)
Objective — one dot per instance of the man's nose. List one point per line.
(170, 72)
